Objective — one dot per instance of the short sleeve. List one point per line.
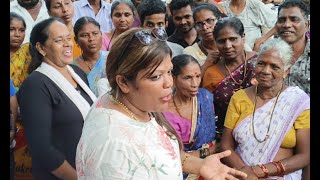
(232, 115)
(303, 120)
(211, 78)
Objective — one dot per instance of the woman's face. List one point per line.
(122, 17)
(204, 23)
(17, 33)
(57, 50)
(152, 94)
(188, 81)
(62, 9)
(269, 69)
(229, 43)
(90, 38)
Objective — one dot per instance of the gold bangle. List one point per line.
(184, 160)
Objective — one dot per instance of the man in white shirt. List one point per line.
(33, 11)
(100, 10)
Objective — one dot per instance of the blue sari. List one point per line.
(98, 71)
(205, 126)
(205, 131)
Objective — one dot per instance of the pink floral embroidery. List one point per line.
(99, 105)
(165, 143)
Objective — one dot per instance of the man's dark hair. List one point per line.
(150, 7)
(178, 4)
(295, 3)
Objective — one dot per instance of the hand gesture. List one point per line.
(213, 169)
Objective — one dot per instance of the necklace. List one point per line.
(175, 105)
(124, 107)
(201, 46)
(110, 40)
(85, 62)
(254, 109)
(245, 71)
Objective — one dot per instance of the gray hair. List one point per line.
(282, 47)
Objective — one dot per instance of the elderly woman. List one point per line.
(64, 9)
(92, 60)
(191, 110)
(122, 15)
(54, 101)
(233, 71)
(122, 138)
(267, 126)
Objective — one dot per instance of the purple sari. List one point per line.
(205, 127)
(225, 89)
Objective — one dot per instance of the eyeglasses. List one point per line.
(147, 37)
(208, 22)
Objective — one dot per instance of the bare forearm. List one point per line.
(233, 160)
(65, 171)
(296, 162)
(190, 164)
(306, 173)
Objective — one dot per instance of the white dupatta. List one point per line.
(67, 88)
(291, 103)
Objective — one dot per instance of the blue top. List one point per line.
(12, 89)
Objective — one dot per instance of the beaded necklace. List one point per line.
(124, 107)
(254, 109)
(85, 62)
(245, 71)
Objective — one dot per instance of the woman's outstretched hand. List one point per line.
(213, 169)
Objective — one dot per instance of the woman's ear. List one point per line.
(40, 49)
(122, 83)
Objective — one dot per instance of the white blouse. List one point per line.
(114, 146)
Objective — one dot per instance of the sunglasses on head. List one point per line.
(147, 37)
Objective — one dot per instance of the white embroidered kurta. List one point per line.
(114, 146)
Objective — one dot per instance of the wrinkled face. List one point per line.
(154, 21)
(291, 24)
(122, 17)
(269, 69)
(152, 94)
(17, 33)
(182, 19)
(90, 38)
(28, 3)
(205, 22)
(62, 9)
(230, 43)
(57, 50)
(188, 81)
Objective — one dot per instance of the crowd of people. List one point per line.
(159, 89)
